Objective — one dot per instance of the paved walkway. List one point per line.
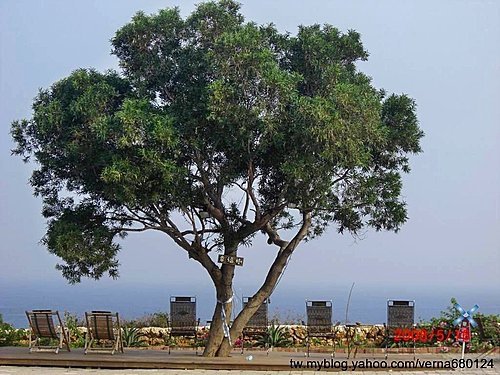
(10, 370)
(17, 360)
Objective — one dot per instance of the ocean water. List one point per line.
(368, 303)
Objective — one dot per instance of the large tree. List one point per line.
(234, 128)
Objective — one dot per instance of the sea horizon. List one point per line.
(135, 300)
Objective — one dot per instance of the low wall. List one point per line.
(364, 336)
(372, 335)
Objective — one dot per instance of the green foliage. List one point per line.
(490, 324)
(77, 338)
(9, 336)
(491, 331)
(314, 341)
(276, 336)
(132, 337)
(209, 105)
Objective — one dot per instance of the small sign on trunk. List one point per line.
(229, 259)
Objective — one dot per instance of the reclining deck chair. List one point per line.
(319, 323)
(103, 327)
(257, 325)
(42, 327)
(400, 316)
(183, 320)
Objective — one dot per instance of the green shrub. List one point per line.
(445, 321)
(132, 337)
(77, 338)
(491, 331)
(9, 336)
(276, 336)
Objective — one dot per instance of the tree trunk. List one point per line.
(217, 344)
(215, 336)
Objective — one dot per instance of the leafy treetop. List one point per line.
(263, 130)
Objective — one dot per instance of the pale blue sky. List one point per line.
(444, 54)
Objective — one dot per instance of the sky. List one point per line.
(443, 54)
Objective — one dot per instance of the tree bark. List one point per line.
(217, 344)
(216, 335)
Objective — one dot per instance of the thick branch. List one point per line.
(199, 232)
(250, 192)
(197, 252)
(164, 224)
(272, 276)
(137, 229)
(274, 237)
(216, 208)
(251, 227)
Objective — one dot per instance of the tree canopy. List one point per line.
(263, 131)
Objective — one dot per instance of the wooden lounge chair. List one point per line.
(42, 327)
(103, 327)
(319, 323)
(400, 315)
(183, 320)
(257, 325)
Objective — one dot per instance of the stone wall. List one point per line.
(368, 335)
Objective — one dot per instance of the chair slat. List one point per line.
(42, 323)
(101, 325)
(183, 316)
